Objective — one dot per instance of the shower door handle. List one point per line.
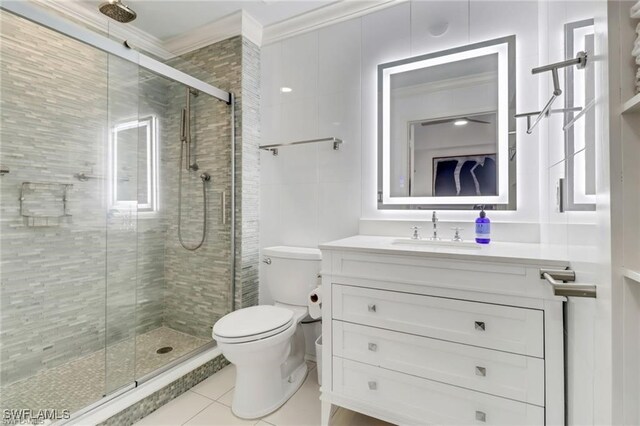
(223, 201)
(183, 125)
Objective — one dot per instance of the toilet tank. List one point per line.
(291, 273)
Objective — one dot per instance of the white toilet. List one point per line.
(266, 343)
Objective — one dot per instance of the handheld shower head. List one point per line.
(114, 9)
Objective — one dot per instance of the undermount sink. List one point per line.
(467, 245)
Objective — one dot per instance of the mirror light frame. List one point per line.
(506, 198)
(151, 142)
(575, 200)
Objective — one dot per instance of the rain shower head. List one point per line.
(114, 9)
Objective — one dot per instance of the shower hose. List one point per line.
(204, 177)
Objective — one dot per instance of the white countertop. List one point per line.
(522, 253)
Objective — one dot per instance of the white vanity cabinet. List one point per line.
(443, 335)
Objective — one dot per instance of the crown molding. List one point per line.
(238, 23)
(251, 28)
(331, 14)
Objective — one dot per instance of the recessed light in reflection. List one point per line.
(461, 122)
(286, 89)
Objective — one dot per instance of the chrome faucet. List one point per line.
(434, 220)
(457, 238)
(416, 233)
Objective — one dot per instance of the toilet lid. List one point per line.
(256, 322)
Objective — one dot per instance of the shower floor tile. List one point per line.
(83, 381)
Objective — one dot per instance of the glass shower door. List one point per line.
(184, 256)
(122, 181)
(101, 210)
(53, 219)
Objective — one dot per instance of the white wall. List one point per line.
(312, 194)
(406, 34)
(589, 395)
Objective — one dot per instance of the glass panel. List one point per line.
(115, 243)
(121, 166)
(183, 291)
(52, 276)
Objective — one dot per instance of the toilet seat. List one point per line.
(253, 323)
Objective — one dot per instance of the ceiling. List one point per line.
(165, 19)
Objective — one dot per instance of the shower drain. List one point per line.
(164, 350)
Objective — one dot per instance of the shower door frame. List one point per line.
(41, 17)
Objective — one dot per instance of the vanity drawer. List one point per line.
(428, 402)
(505, 328)
(503, 374)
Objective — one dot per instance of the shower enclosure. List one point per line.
(97, 292)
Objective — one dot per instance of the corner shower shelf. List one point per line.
(632, 106)
(274, 147)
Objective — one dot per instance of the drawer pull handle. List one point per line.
(371, 307)
(373, 347)
(373, 385)
(481, 371)
(481, 416)
(480, 325)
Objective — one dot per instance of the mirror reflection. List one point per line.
(453, 156)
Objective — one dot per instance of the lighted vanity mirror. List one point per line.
(447, 129)
(134, 165)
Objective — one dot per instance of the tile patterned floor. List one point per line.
(209, 404)
(83, 381)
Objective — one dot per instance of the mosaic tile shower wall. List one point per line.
(99, 276)
(232, 65)
(248, 179)
(58, 100)
(52, 278)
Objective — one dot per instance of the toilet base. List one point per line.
(268, 371)
(290, 386)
